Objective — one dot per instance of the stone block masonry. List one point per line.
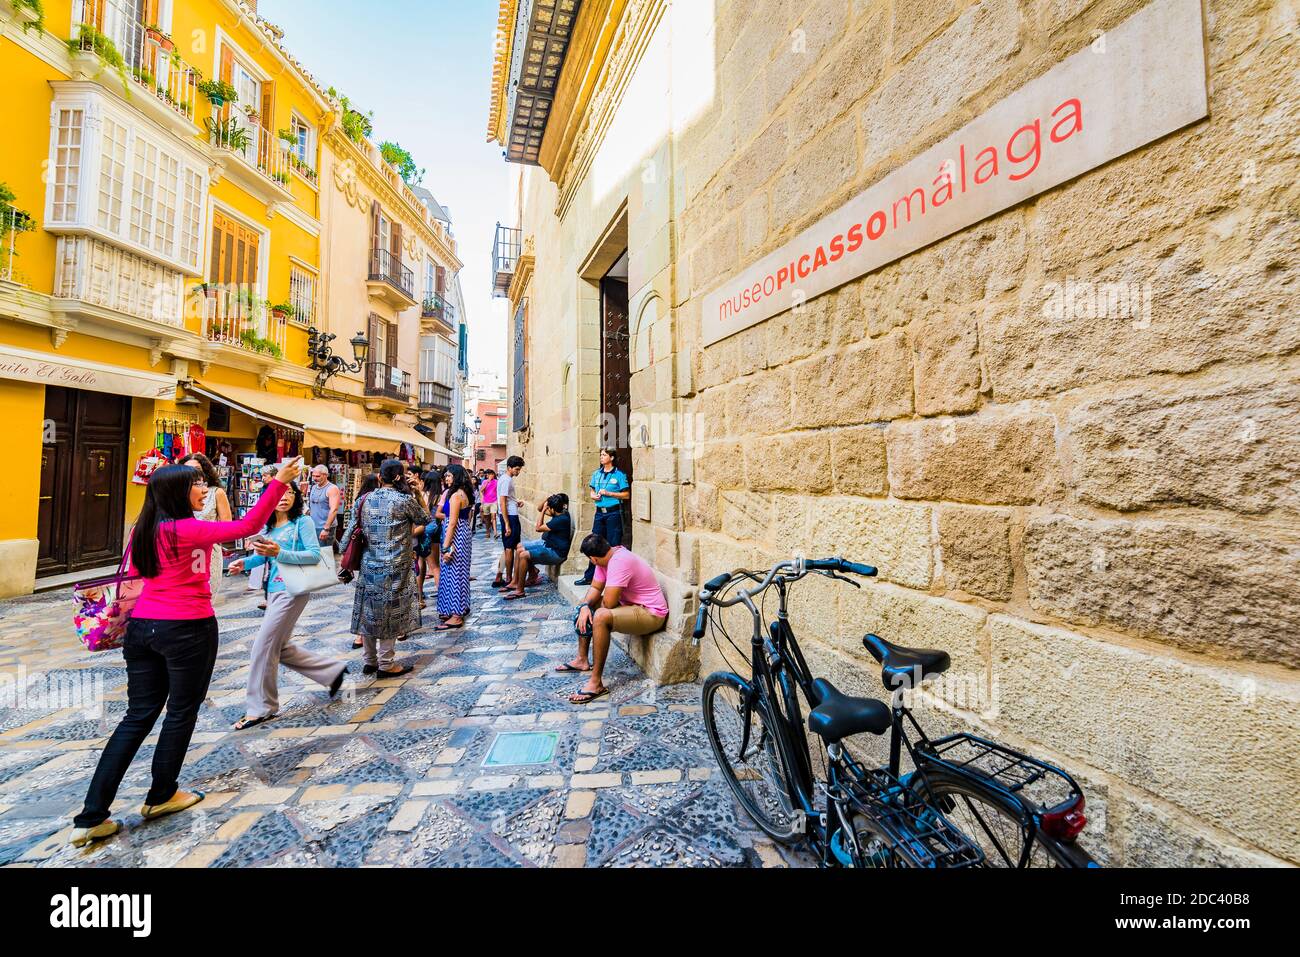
(1066, 433)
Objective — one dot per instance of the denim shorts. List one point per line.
(540, 554)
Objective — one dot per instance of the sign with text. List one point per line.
(26, 366)
(1135, 84)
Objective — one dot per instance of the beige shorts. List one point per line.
(636, 620)
(489, 508)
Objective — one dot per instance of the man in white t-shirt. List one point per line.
(508, 510)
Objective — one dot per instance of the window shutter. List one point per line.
(397, 246)
(93, 13)
(440, 282)
(227, 75)
(268, 118)
(374, 232)
(151, 13)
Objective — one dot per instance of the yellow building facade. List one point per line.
(161, 270)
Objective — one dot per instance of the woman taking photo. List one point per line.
(386, 608)
(171, 640)
(290, 539)
(457, 545)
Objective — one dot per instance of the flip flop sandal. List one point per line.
(446, 627)
(244, 724)
(514, 595)
(567, 668)
(587, 697)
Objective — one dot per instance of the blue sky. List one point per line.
(425, 68)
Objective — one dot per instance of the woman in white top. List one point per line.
(216, 508)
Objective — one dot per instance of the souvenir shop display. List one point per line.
(178, 434)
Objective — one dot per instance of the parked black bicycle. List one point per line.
(967, 801)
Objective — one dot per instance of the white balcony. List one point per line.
(155, 79)
(237, 318)
(252, 157)
(107, 284)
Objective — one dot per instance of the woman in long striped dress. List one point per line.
(457, 549)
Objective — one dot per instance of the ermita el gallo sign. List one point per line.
(1140, 81)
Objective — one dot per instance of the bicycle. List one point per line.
(856, 816)
(1005, 805)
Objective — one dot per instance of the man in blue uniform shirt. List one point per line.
(609, 489)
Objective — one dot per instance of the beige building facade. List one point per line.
(1065, 432)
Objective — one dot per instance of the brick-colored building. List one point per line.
(489, 441)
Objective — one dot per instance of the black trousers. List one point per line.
(608, 525)
(168, 663)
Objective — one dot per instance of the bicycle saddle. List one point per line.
(837, 715)
(901, 665)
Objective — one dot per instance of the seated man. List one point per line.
(552, 548)
(624, 596)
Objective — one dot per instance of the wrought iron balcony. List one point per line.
(388, 276)
(505, 255)
(435, 396)
(436, 307)
(387, 381)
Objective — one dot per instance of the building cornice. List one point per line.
(415, 213)
(592, 115)
(507, 10)
(593, 32)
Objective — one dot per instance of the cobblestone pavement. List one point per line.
(406, 772)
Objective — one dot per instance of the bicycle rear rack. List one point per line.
(1038, 784)
(915, 832)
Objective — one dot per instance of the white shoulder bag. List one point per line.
(304, 579)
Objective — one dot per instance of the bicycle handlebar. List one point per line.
(800, 566)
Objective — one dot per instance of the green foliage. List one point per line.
(227, 133)
(220, 90)
(88, 38)
(256, 343)
(402, 161)
(13, 219)
(37, 7)
(285, 309)
(357, 126)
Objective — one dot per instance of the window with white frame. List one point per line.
(430, 274)
(67, 164)
(112, 175)
(147, 193)
(304, 146)
(302, 294)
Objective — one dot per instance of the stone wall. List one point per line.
(1095, 510)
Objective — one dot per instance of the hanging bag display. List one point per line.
(105, 607)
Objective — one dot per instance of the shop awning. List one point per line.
(46, 369)
(324, 424)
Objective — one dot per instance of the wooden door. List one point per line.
(616, 375)
(83, 481)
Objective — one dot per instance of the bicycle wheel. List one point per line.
(758, 775)
(874, 846)
(999, 829)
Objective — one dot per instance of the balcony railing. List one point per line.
(256, 147)
(235, 316)
(92, 271)
(385, 267)
(388, 381)
(436, 307)
(150, 58)
(435, 396)
(505, 254)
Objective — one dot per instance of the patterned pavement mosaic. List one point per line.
(403, 772)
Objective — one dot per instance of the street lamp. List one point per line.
(326, 363)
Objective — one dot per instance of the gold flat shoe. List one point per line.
(82, 836)
(171, 807)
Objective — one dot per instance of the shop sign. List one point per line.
(26, 366)
(1132, 85)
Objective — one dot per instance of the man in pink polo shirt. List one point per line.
(624, 596)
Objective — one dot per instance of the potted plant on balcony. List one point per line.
(283, 310)
(253, 113)
(218, 92)
(90, 43)
(288, 140)
(160, 37)
(31, 13)
(227, 134)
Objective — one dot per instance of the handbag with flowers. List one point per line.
(105, 606)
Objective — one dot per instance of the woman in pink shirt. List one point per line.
(171, 640)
